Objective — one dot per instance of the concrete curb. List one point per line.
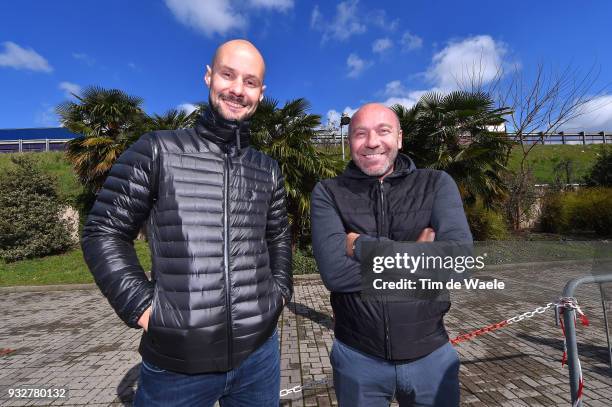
(298, 278)
(45, 288)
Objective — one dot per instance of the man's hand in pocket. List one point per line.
(143, 321)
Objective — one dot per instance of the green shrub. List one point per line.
(304, 262)
(30, 225)
(486, 224)
(601, 172)
(552, 214)
(584, 210)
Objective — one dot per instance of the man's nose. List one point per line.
(237, 88)
(372, 140)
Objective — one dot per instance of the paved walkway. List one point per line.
(73, 339)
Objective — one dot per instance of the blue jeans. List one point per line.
(364, 380)
(256, 382)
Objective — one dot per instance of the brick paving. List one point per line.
(72, 339)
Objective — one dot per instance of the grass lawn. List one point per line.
(544, 158)
(53, 163)
(68, 268)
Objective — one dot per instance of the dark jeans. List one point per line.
(256, 382)
(364, 380)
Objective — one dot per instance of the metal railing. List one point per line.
(569, 318)
(35, 145)
(581, 138)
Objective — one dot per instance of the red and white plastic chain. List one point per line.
(501, 324)
(571, 303)
(561, 305)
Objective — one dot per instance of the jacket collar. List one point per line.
(230, 136)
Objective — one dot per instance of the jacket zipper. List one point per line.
(383, 231)
(226, 256)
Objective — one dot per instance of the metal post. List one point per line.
(562, 137)
(46, 144)
(605, 314)
(573, 363)
(583, 138)
(603, 136)
(20, 145)
(344, 121)
(342, 141)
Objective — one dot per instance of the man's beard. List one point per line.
(217, 106)
(379, 172)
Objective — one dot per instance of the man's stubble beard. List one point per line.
(381, 172)
(217, 107)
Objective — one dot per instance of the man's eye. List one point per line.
(226, 75)
(251, 84)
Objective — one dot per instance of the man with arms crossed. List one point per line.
(220, 246)
(385, 350)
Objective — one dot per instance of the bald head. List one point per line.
(376, 111)
(375, 138)
(242, 48)
(235, 80)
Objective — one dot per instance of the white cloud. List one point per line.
(349, 111)
(86, 59)
(315, 17)
(47, 117)
(356, 65)
(411, 41)
(396, 93)
(596, 115)
(333, 116)
(70, 88)
(17, 57)
(381, 45)
(379, 18)
(210, 17)
(345, 24)
(395, 88)
(458, 61)
(281, 5)
(187, 107)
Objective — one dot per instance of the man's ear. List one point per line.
(261, 96)
(208, 75)
(400, 138)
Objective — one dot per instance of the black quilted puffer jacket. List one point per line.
(219, 238)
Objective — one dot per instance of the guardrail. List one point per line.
(581, 138)
(35, 145)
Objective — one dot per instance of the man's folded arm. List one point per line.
(448, 221)
(339, 272)
(121, 208)
(278, 236)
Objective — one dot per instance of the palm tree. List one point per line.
(286, 135)
(109, 120)
(456, 133)
(173, 119)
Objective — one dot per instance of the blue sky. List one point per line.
(338, 55)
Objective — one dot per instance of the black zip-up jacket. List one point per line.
(398, 208)
(219, 238)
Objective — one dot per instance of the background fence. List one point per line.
(330, 137)
(18, 146)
